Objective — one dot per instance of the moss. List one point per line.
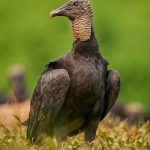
(111, 135)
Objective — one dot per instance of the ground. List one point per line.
(111, 135)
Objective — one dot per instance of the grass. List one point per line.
(111, 135)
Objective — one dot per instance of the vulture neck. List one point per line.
(87, 48)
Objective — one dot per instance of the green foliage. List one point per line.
(111, 135)
(29, 37)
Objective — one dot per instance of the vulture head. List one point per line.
(73, 9)
(80, 14)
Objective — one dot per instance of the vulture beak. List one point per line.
(58, 12)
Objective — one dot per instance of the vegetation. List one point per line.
(111, 135)
(29, 37)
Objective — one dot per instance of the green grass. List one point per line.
(111, 135)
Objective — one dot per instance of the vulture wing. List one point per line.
(47, 100)
(112, 91)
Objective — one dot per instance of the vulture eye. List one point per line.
(76, 3)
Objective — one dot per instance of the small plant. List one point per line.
(111, 135)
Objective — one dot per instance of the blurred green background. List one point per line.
(29, 37)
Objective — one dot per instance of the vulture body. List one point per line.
(75, 91)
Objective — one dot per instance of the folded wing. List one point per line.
(47, 100)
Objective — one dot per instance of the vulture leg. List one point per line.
(47, 100)
(90, 130)
(93, 120)
(112, 91)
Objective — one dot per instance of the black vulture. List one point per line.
(17, 79)
(75, 91)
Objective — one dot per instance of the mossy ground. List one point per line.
(111, 135)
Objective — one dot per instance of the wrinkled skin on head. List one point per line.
(73, 9)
